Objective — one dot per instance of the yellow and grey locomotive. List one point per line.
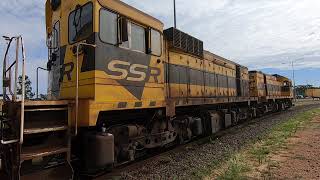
(129, 86)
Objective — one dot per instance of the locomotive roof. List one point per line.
(217, 57)
(278, 76)
(132, 13)
(255, 71)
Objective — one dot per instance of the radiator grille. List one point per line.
(184, 42)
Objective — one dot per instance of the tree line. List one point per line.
(29, 94)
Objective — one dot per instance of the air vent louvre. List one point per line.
(184, 42)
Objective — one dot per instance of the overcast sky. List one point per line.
(257, 33)
(260, 34)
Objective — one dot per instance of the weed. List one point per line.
(236, 169)
(240, 163)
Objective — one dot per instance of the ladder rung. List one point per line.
(46, 109)
(62, 172)
(46, 103)
(29, 153)
(6, 120)
(45, 129)
(6, 142)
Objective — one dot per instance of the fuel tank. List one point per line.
(98, 151)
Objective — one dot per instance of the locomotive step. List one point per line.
(46, 103)
(46, 109)
(58, 173)
(37, 130)
(39, 126)
(32, 152)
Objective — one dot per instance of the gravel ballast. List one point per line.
(184, 162)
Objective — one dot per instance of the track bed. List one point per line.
(186, 160)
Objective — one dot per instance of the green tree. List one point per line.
(43, 97)
(28, 88)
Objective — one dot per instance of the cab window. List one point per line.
(108, 27)
(80, 23)
(138, 38)
(155, 42)
(110, 30)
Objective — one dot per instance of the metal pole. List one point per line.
(77, 90)
(38, 68)
(175, 15)
(4, 75)
(77, 83)
(16, 72)
(23, 91)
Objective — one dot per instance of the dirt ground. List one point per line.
(301, 159)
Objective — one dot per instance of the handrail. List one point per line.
(23, 91)
(77, 82)
(16, 72)
(5, 65)
(9, 68)
(7, 83)
(9, 142)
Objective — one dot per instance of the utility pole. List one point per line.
(293, 77)
(175, 15)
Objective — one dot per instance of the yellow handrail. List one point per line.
(77, 82)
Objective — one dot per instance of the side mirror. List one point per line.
(55, 4)
(49, 65)
(53, 57)
(124, 29)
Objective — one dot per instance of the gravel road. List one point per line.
(183, 162)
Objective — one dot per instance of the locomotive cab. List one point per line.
(112, 56)
(124, 70)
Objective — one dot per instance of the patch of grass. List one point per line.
(236, 169)
(279, 134)
(260, 153)
(243, 162)
(203, 172)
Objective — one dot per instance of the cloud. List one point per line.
(247, 31)
(26, 18)
(258, 34)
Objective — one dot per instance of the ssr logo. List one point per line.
(132, 76)
(122, 70)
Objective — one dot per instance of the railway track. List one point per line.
(174, 162)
